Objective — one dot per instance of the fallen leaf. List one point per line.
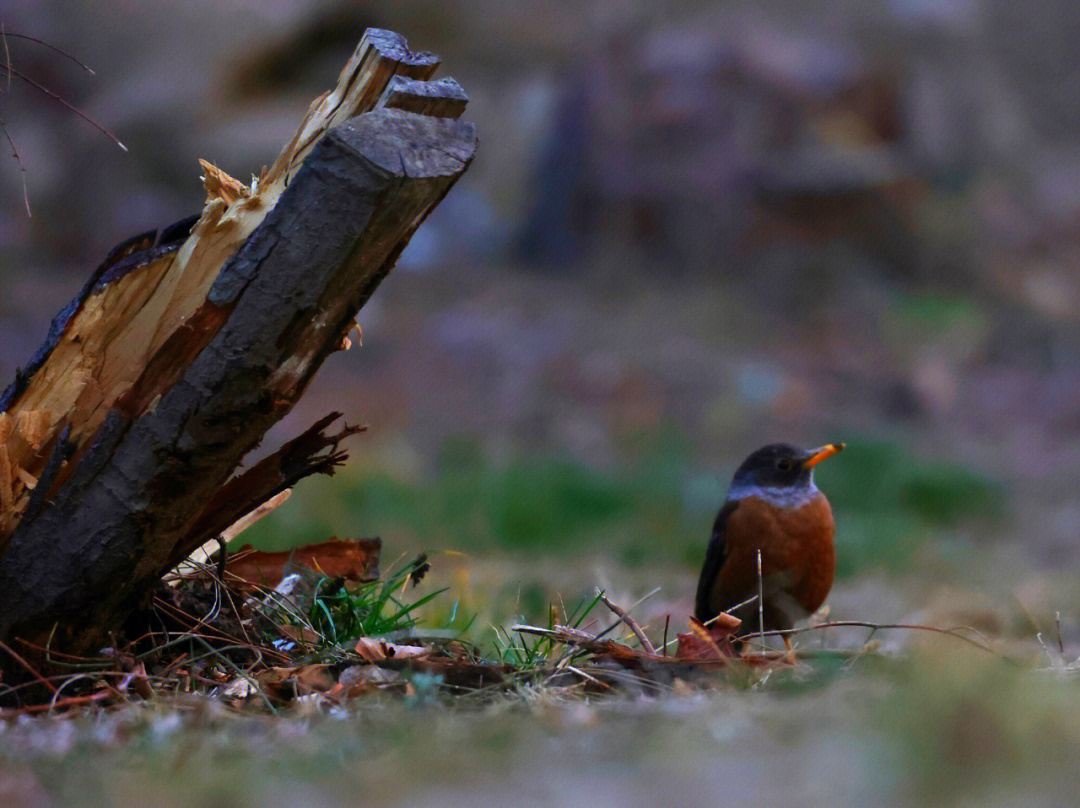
(355, 675)
(358, 680)
(300, 634)
(286, 684)
(372, 650)
(239, 688)
(351, 559)
(709, 643)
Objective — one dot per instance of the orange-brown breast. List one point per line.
(798, 557)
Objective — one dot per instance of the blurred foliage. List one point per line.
(937, 312)
(889, 503)
(656, 510)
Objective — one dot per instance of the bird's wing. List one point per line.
(715, 556)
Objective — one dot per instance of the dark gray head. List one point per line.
(779, 467)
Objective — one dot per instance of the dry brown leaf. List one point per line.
(300, 634)
(373, 650)
(351, 559)
(288, 683)
(239, 688)
(709, 643)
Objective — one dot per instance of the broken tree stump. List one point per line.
(120, 441)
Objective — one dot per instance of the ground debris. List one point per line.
(327, 633)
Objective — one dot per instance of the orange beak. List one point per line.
(821, 453)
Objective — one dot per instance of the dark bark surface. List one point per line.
(277, 309)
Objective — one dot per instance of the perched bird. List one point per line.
(772, 506)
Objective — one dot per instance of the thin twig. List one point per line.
(1049, 657)
(43, 89)
(43, 44)
(71, 701)
(729, 612)
(19, 162)
(7, 57)
(630, 622)
(633, 606)
(588, 676)
(760, 599)
(28, 667)
(875, 627)
(250, 680)
(56, 693)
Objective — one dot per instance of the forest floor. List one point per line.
(533, 472)
(986, 715)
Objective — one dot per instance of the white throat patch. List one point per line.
(787, 497)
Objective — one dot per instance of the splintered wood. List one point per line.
(129, 338)
(121, 439)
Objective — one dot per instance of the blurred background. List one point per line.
(693, 228)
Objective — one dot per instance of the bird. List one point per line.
(772, 506)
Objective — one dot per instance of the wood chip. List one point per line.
(28, 479)
(6, 492)
(33, 426)
(220, 185)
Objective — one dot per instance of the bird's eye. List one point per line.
(783, 464)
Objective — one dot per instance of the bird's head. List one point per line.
(779, 470)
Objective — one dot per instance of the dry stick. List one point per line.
(28, 667)
(633, 606)
(875, 627)
(71, 701)
(190, 633)
(242, 674)
(42, 88)
(710, 621)
(72, 680)
(667, 623)
(1049, 656)
(7, 57)
(22, 168)
(44, 44)
(51, 653)
(630, 622)
(63, 678)
(588, 676)
(760, 600)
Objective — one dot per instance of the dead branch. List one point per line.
(630, 622)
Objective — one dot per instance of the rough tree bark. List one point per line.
(118, 442)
